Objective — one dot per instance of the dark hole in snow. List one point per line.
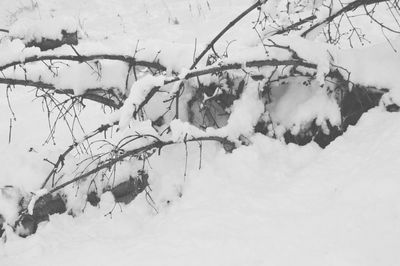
(26, 225)
(1, 225)
(314, 133)
(353, 104)
(48, 205)
(43, 208)
(356, 102)
(93, 198)
(127, 191)
(393, 108)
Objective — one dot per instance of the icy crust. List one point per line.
(28, 29)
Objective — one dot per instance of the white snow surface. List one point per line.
(268, 203)
(264, 204)
(28, 29)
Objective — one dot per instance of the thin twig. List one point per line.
(221, 33)
(156, 144)
(85, 58)
(349, 7)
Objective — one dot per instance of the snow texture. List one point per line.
(264, 204)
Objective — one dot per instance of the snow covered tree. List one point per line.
(302, 77)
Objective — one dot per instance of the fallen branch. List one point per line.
(93, 94)
(233, 66)
(154, 90)
(70, 38)
(84, 58)
(61, 158)
(158, 144)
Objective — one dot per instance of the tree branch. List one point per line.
(84, 58)
(294, 25)
(158, 144)
(233, 66)
(230, 25)
(91, 94)
(349, 7)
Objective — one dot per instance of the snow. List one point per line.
(28, 29)
(296, 105)
(246, 111)
(36, 195)
(14, 50)
(138, 92)
(9, 200)
(376, 65)
(264, 204)
(279, 204)
(80, 77)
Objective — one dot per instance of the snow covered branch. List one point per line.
(158, 145)
(99, 95)
(85, 58)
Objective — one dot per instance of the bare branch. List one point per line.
(158, 144)
(230, 25)
(294, 25)
(94, 94)
(349, 7)
(84, 58)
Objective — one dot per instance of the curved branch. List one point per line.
(91, 94)
(94, 93)
(154, 145)
(349, 7)
(382, 25)
(61, 158)
(84, 58)
(230, 25)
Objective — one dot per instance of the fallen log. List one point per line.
(48, 204)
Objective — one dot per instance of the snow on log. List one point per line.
(46, 33)
(127, 191)
(44, 206)
(50, 44)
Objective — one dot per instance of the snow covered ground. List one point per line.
(265, 204)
